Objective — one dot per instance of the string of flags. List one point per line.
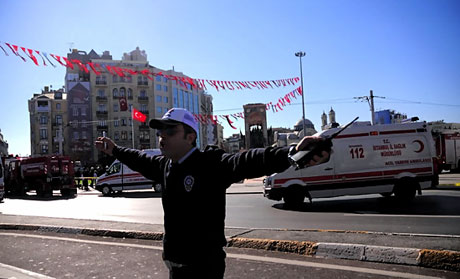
(99, 68)
(278, 106)
(42, 58)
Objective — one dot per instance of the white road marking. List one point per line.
(16, 272)
(244, 257)
(401, 215)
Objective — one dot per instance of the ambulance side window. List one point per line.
(115, 168)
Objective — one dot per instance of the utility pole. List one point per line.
(370, 101)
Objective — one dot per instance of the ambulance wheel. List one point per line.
(294, 196)
(405, 190)
(157, 187)
(106, 190)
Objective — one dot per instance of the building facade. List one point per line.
(48, 118)
(3, 146)
(102, 104)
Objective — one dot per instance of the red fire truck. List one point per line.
(42, 174)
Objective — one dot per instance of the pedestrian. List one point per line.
(193, 189)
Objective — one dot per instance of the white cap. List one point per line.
(173, 117)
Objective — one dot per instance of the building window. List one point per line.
(114, 78)
(165, 88)
(58, 119)
(129, 79)
(130, 122)
(124, 122)
(43, 119)
(144, 108)
(75, 135)
(101, 107)
(144, 135)
(116, 135)
(165, 100)
(146, 82)
(101, 93)
(195, 107)
(186, 105)
(191, 102)
(159, 109)
(116, 123)
(43, 134)
(115, 92)
(181, 98)
(58, 106)
(122, 79)
(165, 79)
(44, 148)
(159, 99)
(83, 135)
(130, 93)
(75, 111)
(122, 92)
(115, 107)
(124, 135)
(142, 94)
(159, 87)
(83, 111)
(175, 97)
(158, 78)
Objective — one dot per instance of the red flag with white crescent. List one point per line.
(139, 116)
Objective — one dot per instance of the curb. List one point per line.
(438, 259)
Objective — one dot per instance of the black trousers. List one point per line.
(214, 269)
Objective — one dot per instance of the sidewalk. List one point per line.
(433, 251)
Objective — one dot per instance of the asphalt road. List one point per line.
(77, 256)
(435, 212)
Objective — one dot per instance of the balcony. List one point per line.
(103, 113)
(101, 98)
(143, 83)
(144, 126)
(102, 127)
(143, 98)
(101, 83)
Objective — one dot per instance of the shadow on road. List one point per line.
(134, 195)
(34, 197)
(421, 205)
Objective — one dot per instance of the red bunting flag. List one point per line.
(139, 116)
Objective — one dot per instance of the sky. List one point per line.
(406, 51)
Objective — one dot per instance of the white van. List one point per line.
(120, 177)
(388, 159)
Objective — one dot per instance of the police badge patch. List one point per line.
(188, 183)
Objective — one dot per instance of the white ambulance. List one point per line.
(120, 177)
(388, 159)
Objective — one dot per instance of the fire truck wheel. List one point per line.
(294, 196)
(157, 187)
(106, 190)
(66, 192)
(405, 190)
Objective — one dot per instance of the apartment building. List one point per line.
(48, 118)
(94, 103)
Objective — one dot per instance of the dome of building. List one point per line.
(308, 125)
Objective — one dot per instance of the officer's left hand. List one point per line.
(317, 159)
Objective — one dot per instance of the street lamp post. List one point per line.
(301, 54)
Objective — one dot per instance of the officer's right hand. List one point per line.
(105, 145)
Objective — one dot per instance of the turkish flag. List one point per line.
(123, 104)
(139, 116)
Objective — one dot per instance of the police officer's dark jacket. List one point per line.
(193, 194)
